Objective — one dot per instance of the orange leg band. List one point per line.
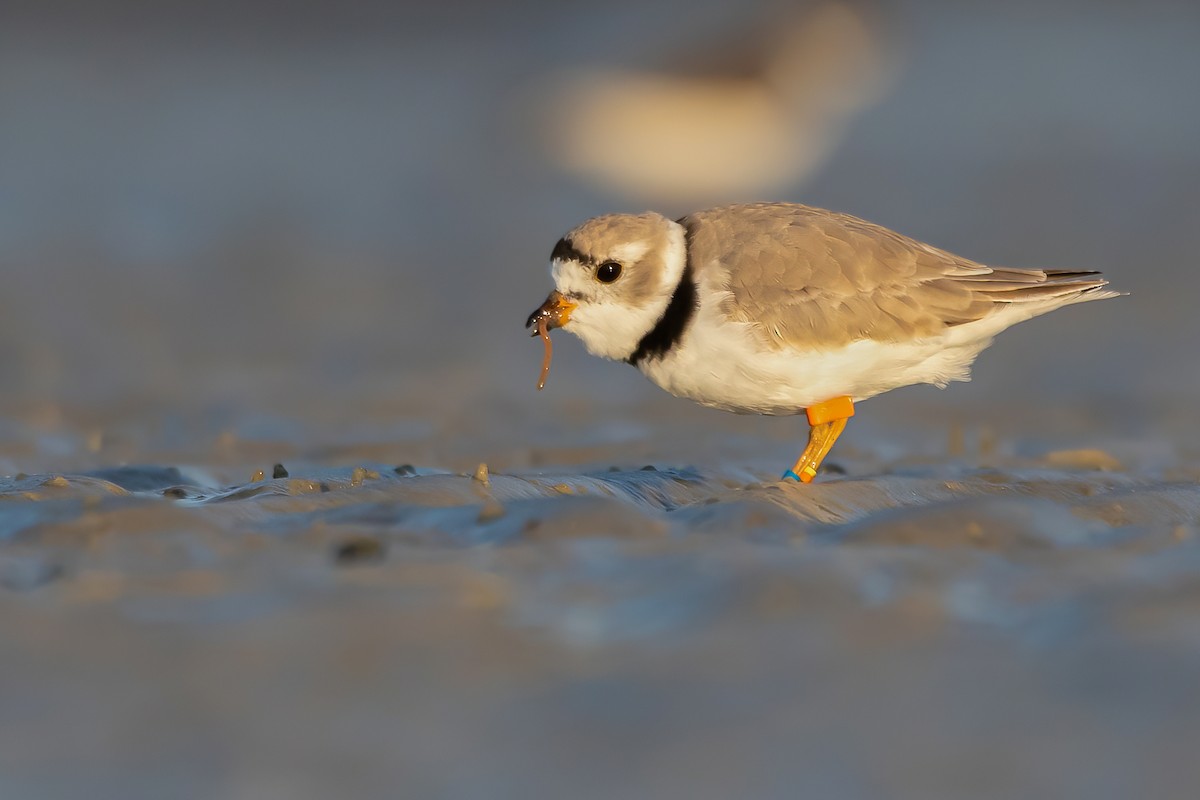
(837, 408)
(827, 421)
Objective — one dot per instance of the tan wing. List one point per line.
(813, 278)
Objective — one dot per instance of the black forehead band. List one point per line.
(565, 251)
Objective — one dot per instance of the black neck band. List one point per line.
(671, 326)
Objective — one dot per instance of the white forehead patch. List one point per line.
(569, 278)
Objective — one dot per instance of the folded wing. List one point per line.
(805, 277)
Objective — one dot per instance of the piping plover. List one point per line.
(779, 308)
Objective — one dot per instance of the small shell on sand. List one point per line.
(482, 475)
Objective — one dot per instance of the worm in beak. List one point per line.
(554, 313)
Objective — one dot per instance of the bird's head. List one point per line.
(614, 276)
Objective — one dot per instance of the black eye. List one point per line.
(608, 272)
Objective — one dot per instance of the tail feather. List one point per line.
(1069, 275)
(1010, 285)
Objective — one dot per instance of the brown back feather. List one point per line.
(804, 276)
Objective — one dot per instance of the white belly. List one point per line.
(722, 364)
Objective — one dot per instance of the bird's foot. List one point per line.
(827, 421)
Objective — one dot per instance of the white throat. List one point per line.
(613, 330)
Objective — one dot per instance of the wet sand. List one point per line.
(913, 627)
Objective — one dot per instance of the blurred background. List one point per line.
(272, 217)
(235, 234)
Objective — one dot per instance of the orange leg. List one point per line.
(826, 422)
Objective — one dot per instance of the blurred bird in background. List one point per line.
(742, 118)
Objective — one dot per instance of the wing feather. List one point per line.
(806, 277)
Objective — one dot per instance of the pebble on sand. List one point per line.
(359, 550)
